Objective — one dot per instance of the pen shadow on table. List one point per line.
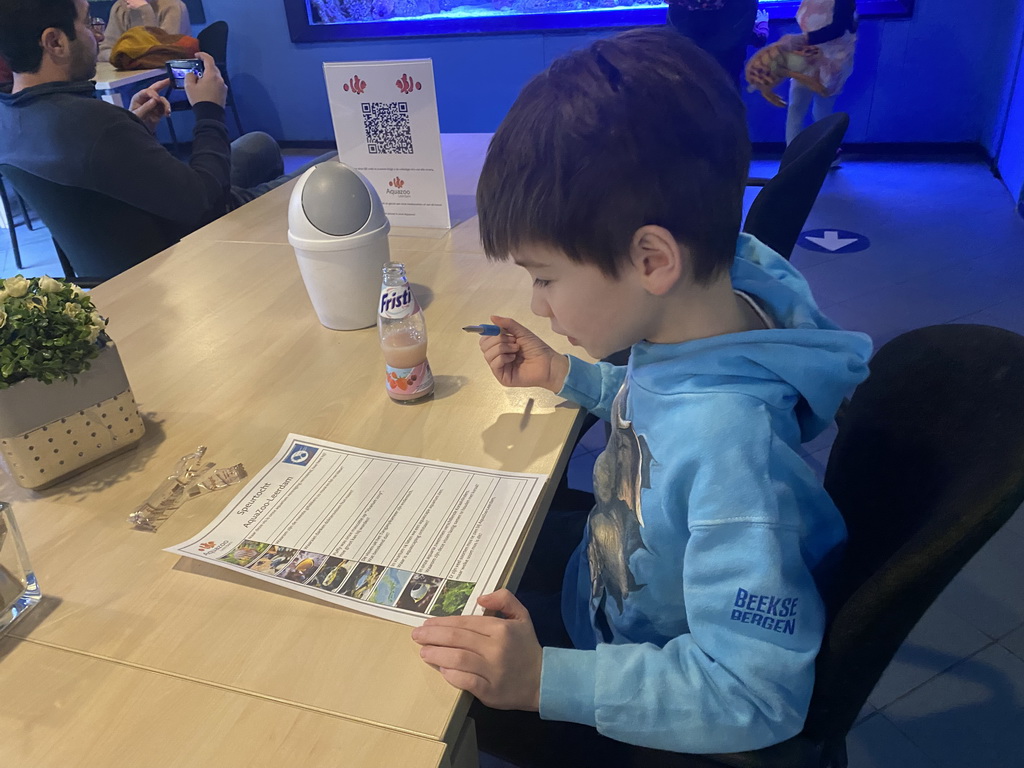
(116, 468)
(505, 440)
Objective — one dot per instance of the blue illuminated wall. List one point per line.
(939, 76)
(1007, 141)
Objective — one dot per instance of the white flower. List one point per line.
(94, 332)
(72, 310)
(3, 295)
(97, 321)
(38, 303)
(16, 286)
(3, 318)
(76, 291)
(48, 285)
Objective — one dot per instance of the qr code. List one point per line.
(387, 128)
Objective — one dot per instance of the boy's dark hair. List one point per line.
(640, 128)
(22, 23)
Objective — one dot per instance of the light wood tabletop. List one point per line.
(222, 348)
(69, 710)
(111, 82)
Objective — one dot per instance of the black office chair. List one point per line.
(928, 464)
(780, 210)
(214, 41)
(96, 236)
(5, 201)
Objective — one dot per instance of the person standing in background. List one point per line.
(831, 25)
(170, 15)
(723, 28)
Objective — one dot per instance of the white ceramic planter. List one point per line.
(51, 431)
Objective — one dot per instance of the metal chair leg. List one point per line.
(6, 202)
(24, 211)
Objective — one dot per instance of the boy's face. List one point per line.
(594, 311)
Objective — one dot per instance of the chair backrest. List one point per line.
(214, 41)
(101, 236)
(927, 465)
(780, 210)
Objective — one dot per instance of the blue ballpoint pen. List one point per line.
(485, 329)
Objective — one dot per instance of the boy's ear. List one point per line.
(661, 262)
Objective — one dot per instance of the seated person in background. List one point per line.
(54, 127)
(170, 15)
(691, 611)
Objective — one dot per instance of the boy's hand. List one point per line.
(498, 660)
(518, 358)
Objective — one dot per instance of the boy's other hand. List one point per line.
(209, 87)
(518, 357)
(498, 660)
(150, 106)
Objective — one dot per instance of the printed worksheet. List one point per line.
(398, 537)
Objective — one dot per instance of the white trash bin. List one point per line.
(339, 231)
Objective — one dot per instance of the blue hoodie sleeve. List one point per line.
(741, 678)
(593, 385)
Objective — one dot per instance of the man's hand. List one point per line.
(518, 358)
(209, 87)
(498, 660)
(150, 106)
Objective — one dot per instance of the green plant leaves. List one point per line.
(49, 330)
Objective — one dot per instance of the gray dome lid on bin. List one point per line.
(335, 200)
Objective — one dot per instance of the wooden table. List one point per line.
(223, 348)
(111, 83)
(67, 709)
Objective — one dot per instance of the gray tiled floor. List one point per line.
(946, 246)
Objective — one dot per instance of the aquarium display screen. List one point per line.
(318, 20)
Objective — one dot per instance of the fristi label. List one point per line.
(396, 302)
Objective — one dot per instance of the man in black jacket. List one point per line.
(53, 126)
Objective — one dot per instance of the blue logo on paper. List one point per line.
(833, 241)
(301, 454)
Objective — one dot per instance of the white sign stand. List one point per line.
(385, 123)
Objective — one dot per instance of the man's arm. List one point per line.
(130, 164)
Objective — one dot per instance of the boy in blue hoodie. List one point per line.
(692, 602)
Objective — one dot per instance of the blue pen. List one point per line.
(485, 329)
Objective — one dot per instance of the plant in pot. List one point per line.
(65, 402)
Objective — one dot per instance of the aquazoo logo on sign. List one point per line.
(396, 302)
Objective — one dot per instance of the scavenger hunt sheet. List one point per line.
(394, 536)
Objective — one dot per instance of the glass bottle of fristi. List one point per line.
(403, 338)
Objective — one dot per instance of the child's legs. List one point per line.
(526, 741)
(799, 102)
(822, 107)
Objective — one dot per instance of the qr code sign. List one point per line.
(387, 127)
